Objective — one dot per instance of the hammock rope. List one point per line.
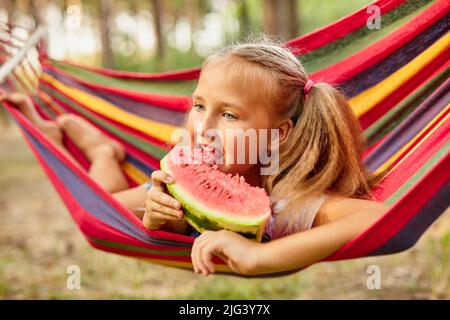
(396, 79)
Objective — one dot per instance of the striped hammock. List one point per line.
(396, 79)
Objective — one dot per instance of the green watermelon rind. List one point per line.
(203, 218)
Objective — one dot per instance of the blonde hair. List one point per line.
(323, 151)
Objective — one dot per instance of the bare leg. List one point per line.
(104, 154)
(48, 128)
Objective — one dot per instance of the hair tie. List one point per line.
(307, 87)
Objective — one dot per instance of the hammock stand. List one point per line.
(396, 79)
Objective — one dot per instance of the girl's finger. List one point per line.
(166, 211)
(193, 253)
(165, 199)
(207, 255)
(154, 220)
(164, 216)
(201, 265)
(160, 176)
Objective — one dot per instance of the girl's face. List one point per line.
(225, 101)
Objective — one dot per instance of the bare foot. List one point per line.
(25, 105)
(88, 138)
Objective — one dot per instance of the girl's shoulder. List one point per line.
(335, 207)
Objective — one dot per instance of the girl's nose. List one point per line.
(206, 129)
(204, 125)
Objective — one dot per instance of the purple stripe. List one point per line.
(409, 128)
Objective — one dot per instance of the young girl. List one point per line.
(321, 192)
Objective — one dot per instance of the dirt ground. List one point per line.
(38, 241)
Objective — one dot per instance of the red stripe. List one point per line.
(338, 29)
(179, 103)
(179, 75)
(353, 65)
(134, 254)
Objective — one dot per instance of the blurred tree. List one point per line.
(157, 23)
(8, 5)
(37, 9)
(281, 18)
(195, 13)
(244, 17)
(104, 12)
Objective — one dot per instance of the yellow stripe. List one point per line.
(398, 153)
(155, 129)
(366, 100)
(134, 173)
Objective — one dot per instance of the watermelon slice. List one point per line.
(213, 200)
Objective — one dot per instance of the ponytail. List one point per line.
(323, 152)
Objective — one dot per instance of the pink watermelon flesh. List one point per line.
(225, 199)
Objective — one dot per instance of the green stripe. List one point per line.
(137, 142)
(419, 174)
(183, 88)
(363, 37)
(128, 247)
(396, 115)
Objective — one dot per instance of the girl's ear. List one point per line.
(285, 128)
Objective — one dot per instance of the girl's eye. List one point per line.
(199, 107)
(229, 116)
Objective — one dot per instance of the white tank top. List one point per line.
(303, 219)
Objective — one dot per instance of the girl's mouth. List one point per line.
(209, 154)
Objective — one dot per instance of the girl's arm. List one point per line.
(292, 252)
(299, 250)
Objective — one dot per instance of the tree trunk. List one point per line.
(280, 18)
(105, 10)
(157, 12)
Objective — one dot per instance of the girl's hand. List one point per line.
(160, 207)
(241, 254)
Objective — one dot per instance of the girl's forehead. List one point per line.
(237, 77)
